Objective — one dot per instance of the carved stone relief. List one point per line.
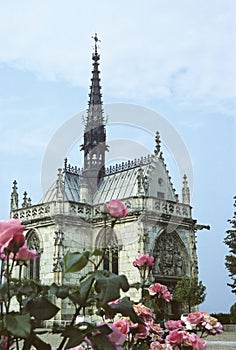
(170, 256)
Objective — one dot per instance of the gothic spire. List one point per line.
(94, 145)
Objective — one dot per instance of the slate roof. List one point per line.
(120, 181)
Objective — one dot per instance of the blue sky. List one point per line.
(175, 58)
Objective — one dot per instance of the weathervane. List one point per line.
(96, 40)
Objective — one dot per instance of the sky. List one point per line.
(174, 58)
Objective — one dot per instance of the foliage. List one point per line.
(189, 292)
(222, 317)
(120, 323)
(230, 259)
(233, 313)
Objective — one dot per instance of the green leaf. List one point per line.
(86, 285)
(60, 291)
(101, 342)
(75, 262)
(80, 297)
(108, 286)
(124, 307)
(42, 308)
(77, 335)
(18, 325)
(38, 343)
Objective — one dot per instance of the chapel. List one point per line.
(68, 217)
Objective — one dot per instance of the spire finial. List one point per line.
(14, 196)
(95, 38)
(158, 143)
(185, 191)
(25, 200)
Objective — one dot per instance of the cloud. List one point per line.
(184, 50)
(164, 50)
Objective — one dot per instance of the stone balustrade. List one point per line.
(87, 212)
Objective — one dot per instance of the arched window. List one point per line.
(33, 268)
(111, 260)
(107, 241)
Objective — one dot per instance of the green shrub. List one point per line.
(233, 313)
(222, 318)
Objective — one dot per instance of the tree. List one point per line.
(189, 292)
(230, 259)
(233, 313)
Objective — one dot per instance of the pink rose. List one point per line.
(144, 312)
(196, 342)
(141, 331)
(79, 347)
(174, 324)
(195, 318)
(17, 241)
(144, 260)
(8, 228)
(175, 337)
(123, 325)
(211, 324)
(155, 328)
(155, 345)
(161, 290)
(116, 337)
(25, 254)
(116, 208)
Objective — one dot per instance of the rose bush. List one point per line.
(120, 322)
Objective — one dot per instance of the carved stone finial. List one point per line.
(60, 185)
(65, 164)
(25, 200)
(14, 196)
(185, 191)
(158, 144)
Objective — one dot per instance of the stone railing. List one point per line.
(31, 213)
(87, 212)
(151, 204)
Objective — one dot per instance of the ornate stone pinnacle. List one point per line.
(185, 191)
(158, 143)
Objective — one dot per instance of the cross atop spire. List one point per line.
(95, 37)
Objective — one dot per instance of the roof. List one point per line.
(70, 189)
(145, 176)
